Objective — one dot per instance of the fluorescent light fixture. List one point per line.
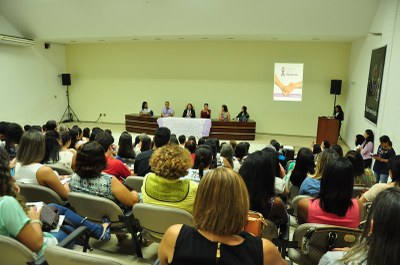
(5, 39)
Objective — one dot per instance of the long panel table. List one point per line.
(226, 130)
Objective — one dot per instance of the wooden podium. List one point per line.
(328, 129)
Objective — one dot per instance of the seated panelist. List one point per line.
(205, 112)
(189, 112)
(167, 111)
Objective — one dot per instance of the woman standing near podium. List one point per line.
(339, 115)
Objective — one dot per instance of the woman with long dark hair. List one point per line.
(362, 176)
(125, 147)
(224, 114)
(259, 175)
(334, 204)
(367, 147)
(304, 167)
(380, 240)
(203, 156)
(311, 185)
(339, 115)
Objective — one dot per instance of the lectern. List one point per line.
(328, 129)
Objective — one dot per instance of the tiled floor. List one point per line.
(124, 250)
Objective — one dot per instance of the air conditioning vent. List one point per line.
(11, 40)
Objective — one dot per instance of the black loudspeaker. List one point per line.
(66, 79)
(336, 87)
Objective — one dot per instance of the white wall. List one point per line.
(386, 21)
(115, 78)
(30, 87)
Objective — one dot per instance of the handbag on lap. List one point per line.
(49, 217)
(255, 223)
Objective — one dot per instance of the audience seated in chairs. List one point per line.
(304, 167)
(241, 153)
(334, 204)
(56, 154)
(22, 223)
(191, 145)
(66, 154)
(258, 174)
(114, 166)
(12, 138)
(278, 171)
(226, 157)
(219, 216)
(28, 169)
(164, 187)
(125, 148)
(363, 176)
(338, 149)
(89, 177)
(52, 148)
(380, 240)
(161, 138)
(311, 185)
(202, 163)
(394, 173)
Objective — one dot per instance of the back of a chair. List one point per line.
(35, 193)
(269, 231)
(365, 212)
(156, 219)
(94, 207)
(13, 252)
(357, 190)
(134, 182)
(314, 240)
(61, 169)
(61, 256)
(295, 202)
(293, 191)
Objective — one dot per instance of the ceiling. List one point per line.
(69, 21)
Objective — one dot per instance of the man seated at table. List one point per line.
(206, 112)
(167, 111)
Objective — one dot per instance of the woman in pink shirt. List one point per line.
(334, 204)
(367, 147)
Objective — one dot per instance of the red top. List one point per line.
(116, 168)
(205, 114)
(319, 216)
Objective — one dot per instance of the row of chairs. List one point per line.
(151, 221)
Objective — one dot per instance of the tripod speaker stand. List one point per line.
(69, 112)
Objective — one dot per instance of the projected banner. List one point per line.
(288, 81)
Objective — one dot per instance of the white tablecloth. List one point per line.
(186, 126)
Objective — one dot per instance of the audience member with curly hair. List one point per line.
(164, 187)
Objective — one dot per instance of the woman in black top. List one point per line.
(219, 215)
(189, 112)
(243, 115)
(339, 115)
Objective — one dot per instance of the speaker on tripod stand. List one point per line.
(69, 113)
